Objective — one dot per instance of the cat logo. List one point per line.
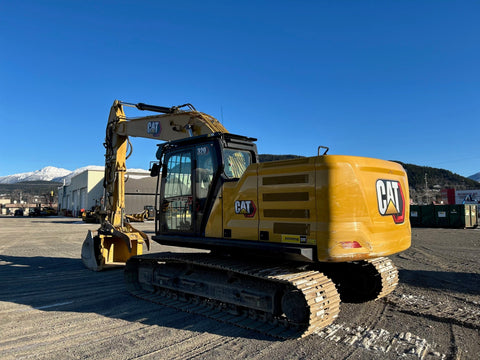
(390, 199)
(245, 207)
(154, 128)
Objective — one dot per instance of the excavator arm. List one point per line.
(116, 240)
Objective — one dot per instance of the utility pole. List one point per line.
(426, 188)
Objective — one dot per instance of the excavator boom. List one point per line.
(116, 240)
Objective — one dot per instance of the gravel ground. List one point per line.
(51, 307)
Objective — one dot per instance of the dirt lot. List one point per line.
(51, 307)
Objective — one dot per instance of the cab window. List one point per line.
(205, 170)
(236, 162)
(176, 205)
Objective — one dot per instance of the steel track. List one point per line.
(319, 294)
(388, 273)
(362, 281)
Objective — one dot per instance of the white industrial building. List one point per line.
(86, 191)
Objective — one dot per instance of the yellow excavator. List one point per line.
(285, 240)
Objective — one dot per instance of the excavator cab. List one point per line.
(193, 171)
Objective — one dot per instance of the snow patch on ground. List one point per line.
(403, 344)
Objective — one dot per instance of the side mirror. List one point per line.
(155, 169)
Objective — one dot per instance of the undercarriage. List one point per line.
(285, 301)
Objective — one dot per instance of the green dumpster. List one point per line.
(428, 216)
(457, 216)
(442, 215)
(415, 215)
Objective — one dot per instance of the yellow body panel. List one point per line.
(243, 226)
(350, 207)
(214, 227)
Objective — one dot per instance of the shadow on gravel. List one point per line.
(47, 219)
(64, 284)
(467, 283)
(67, 222)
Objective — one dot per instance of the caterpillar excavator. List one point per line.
(280, 243)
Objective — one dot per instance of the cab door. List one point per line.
(187, 180)
(177, 193)
(205, 174)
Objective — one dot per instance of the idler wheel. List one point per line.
(295, 307)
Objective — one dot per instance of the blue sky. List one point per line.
(395, 80)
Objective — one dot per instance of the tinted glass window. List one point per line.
(177, 202)
(236, 162)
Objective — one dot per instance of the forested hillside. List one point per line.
(441, 177)
(28, 190)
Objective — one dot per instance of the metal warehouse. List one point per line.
(86, 191)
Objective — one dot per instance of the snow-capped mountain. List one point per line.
(67, 178)
(51, 173)
(48, 173)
